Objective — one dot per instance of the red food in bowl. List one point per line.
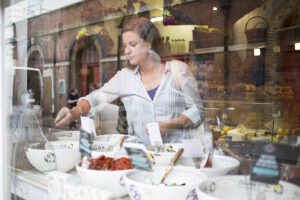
(108, 163)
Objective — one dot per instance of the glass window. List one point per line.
(222, 72)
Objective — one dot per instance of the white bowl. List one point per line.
(221, 165)
(143, 185)
(238, 187)
(112, 138)
(110, 181)
(59, 155)
(107, 149)
(67, 135)
(164, 158)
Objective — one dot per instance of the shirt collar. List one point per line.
(136, 69)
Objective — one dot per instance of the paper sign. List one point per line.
(138, 155)
(88, 125)
(193, 148)
(154, 133)
(85, 143)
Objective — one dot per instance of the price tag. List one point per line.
(154, 133)
(266, 170)
(193, 148)
(88, 125)
(85, 143)
(138, 155)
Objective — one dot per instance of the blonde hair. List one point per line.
(147, 31)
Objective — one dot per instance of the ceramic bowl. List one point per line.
(109, 181)
(112, 138)
(67, 135)
(107, 149)
(240, 187)
(143, 185)
(164, 156)
(221, 165)
(58, 155)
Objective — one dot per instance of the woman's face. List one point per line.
(135, 48)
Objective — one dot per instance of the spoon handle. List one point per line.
(166, 174)
(122, 141)
(177, 156)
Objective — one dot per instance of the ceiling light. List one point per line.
(215, 8)
(297, 46)
(156, 19)
(256, 52)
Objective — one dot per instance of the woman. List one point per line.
(72, 101)
(73, 98)
(147, 90)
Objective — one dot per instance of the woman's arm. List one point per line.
(108, 93)
(179, 122)
(193, 113)
(66, 115)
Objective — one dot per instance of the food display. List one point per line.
(105, 173)
(108, 163)
(243, 91)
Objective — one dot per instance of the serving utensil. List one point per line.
(119, 146)
(172, 163)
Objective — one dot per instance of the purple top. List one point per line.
(152, 92)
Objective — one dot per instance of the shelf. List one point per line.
(238, 102)
(235, 47)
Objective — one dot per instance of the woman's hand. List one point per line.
(163, 127)
(179, 122)
(64, 117)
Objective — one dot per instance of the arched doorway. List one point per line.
(89, 69)
(33, 81)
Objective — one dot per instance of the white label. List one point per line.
(193, 148)
(298, 141)
(154, 133)
(88, 125)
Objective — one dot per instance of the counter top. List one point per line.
(33, 185)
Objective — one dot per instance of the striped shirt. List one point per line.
(168, 101)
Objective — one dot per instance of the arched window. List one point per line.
(89, 69)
